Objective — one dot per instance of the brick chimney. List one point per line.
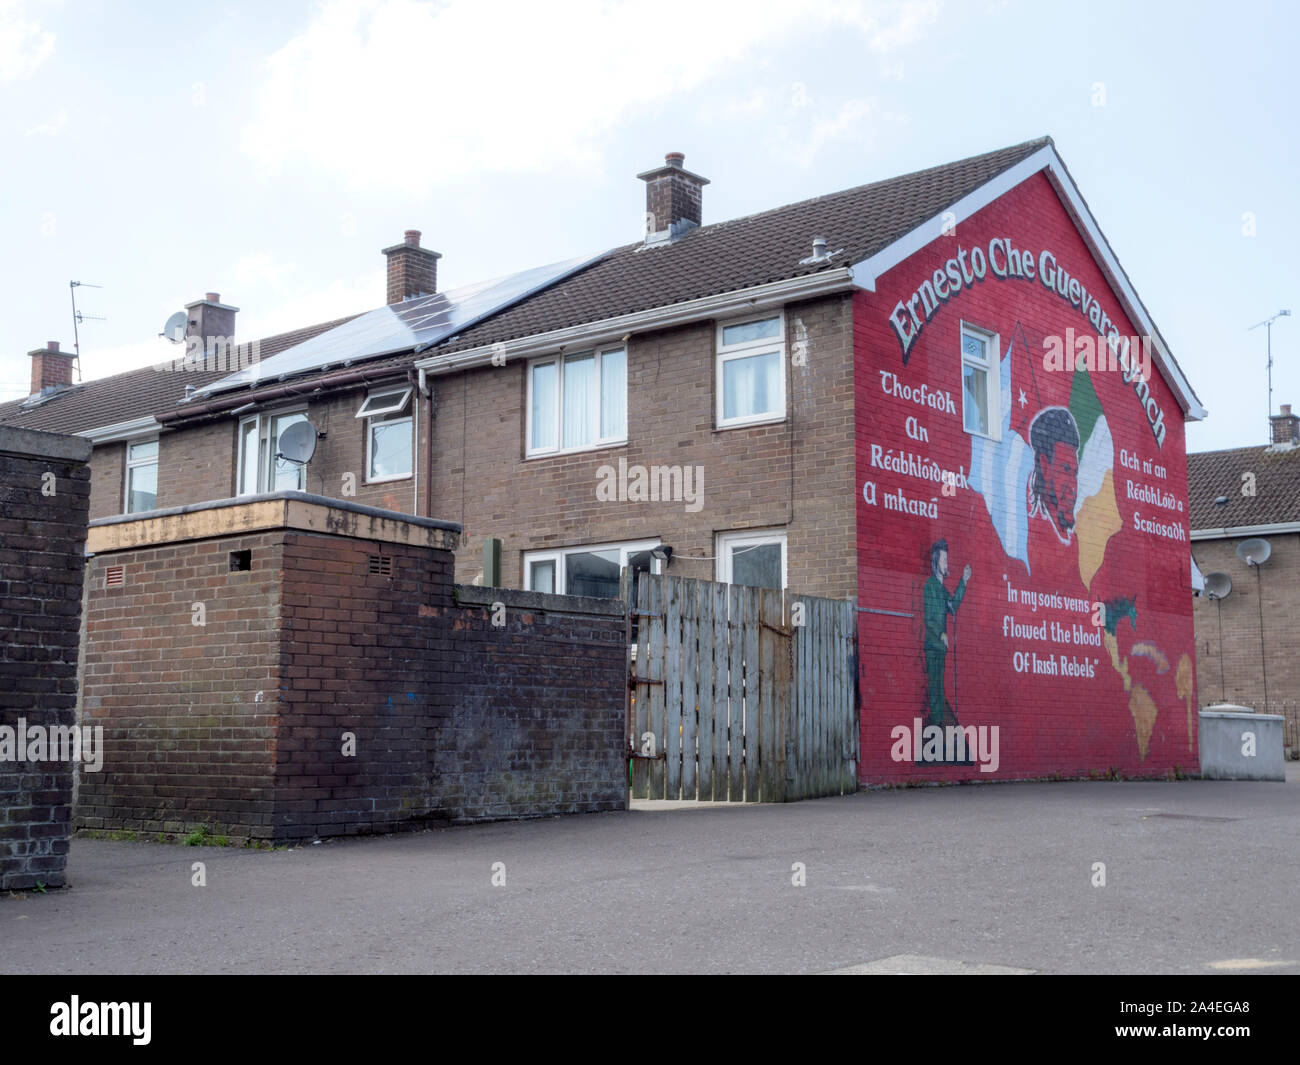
(412, 270)
(210, 318)
(51, 368)
(1285, 426)
(673, 199)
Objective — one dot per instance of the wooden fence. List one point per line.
(741, 694)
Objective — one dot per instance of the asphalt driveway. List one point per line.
(1200, 876)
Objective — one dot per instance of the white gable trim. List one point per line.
(128, 430)
(869, 270)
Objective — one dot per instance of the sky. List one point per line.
(268, 151)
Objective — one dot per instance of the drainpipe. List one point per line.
(427, 391)
(415, 444)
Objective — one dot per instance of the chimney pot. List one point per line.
(675, 159)
(413, 237)
(51, 345)
(212, 297)
(1286, 408)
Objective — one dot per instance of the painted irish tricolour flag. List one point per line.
(1002, 469)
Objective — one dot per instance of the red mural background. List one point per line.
(1074, 635)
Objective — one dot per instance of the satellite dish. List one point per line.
(298, 442)
(175, 328)
(1217, 585)
(1255, 551)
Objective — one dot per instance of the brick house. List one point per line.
(1239, 494)
(783, 399)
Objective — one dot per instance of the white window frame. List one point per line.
(386, 413)
(263, 421)
(558, 361)
(558, 555)
(372, 408)
(126, 477)
(726, 541)
(992, 366)
(728, 352)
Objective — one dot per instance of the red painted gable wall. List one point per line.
(1026, 655)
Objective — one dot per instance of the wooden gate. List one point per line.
(741, 694)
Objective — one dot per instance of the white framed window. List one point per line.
(753, 557)
(259, 469)
(577, 402)
(390, 443)
(751, 371)
(141, 475)
(590, 570)
(981, 387)
(380, 403)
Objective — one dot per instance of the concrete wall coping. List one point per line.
(35, 443)
(473, 595)
(301, 511)
(1241, 715)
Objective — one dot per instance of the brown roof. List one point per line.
(135, 393)
(1211, 474)
(748, 251)
(723, 257)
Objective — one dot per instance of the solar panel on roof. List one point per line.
(415, 324)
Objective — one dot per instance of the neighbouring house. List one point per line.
(857, 396)
(1246, 628)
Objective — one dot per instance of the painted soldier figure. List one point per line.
(939, 603)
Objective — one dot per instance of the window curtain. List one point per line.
(579, 404)
(613, 395)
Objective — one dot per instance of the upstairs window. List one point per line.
(259, 444)
(390, 442)
(577, 402)
(980, 383)
(751, 371)
(141, 476)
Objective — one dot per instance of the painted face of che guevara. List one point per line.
(1059, 472)
(941, 567)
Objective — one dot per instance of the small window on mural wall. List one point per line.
(979, 388)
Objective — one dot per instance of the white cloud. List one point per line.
(396, 94)
(24, 46)
(821, 127)
(51, 128)
(261, 268)
(341, 297)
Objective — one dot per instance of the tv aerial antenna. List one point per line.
(1217, 587)
(1255, 552)
(1268, 323)
(78, 318)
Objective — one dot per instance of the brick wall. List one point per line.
(537, 715)
(335, 687)
(1025, 652)
(188, 710)
(107, 464)
(1242, 678)
(195, 465)
(796, 475)
(41, 567)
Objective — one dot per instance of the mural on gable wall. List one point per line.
(1047, 464)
